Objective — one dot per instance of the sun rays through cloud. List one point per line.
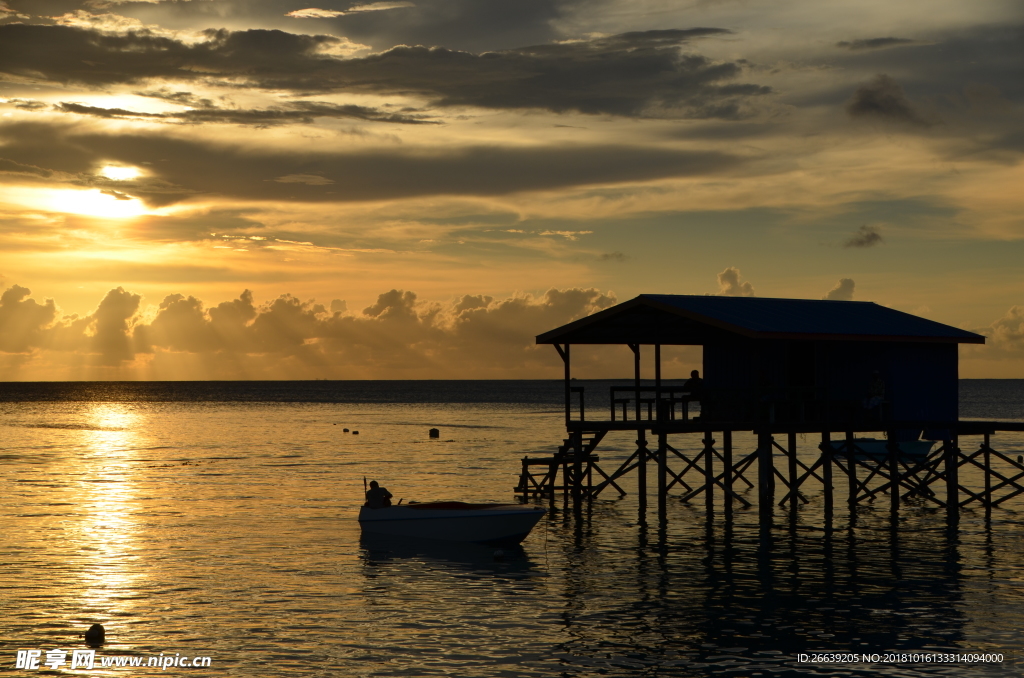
(504, 150)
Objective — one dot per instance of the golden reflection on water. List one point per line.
(107, 499)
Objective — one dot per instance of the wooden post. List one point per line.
(641, 473)
(851, 468)
(636, 376)
(826, 473)
(709, 472)
(577, 466)
(564, 353)
(894, 474)
(988, 478)
(662, 474)
(727, 460)
(657, 382)
(952, 479)
(765, 472)
(792, 470)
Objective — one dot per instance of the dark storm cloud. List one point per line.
(884, 99)
(181, 167)
(475, 25)
(66, 54)
(296, 112)
(633, 74)
(948, 62)
(866, 236)
(874, 43)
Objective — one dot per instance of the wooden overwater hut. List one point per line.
(841, 370)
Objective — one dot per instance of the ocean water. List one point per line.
(219, 520)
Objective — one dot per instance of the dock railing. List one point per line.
(755, 406)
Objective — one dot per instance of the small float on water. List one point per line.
(878, 448)
(498, 524)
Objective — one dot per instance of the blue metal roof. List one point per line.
(656, 317)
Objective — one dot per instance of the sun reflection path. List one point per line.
(107, 533)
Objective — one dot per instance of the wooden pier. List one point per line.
(781, 370)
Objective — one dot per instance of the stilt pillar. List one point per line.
(952, 463)
(727, 478)
(765, 472)
(851, 471)
(826, 473)
(641, 473)
(709, 472)
(792, 470)
(988, 477)
(893, 447)
(662, 475)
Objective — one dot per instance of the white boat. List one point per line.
(453, 521)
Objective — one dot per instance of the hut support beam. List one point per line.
(765, 472)
(727, 473)
(826, 473)
(952, 480)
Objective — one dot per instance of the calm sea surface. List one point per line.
(219, 519)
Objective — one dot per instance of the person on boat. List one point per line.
(377, 496)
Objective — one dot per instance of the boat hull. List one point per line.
(498, 524)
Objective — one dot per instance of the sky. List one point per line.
(414, 189)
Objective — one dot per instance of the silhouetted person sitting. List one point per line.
(377, 496)
(694, 386)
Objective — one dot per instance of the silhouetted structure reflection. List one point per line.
(705, 598)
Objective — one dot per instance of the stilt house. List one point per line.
(779, 361)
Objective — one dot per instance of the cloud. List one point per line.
(11, 167)
(314, 13)
(729, 284)
(111, 324)
(188, 168)
(23, 320)
(308, 179)
(884, 99)
(865, 236)
(568, 235)
(1006, 335)
(640, 74)
(843, 291)
(296, 112)
(398, 334)
(874, 43)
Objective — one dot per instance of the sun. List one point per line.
(119, 173)
(96, 203)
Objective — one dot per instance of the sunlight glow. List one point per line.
(107, 532)
(118, 173)
(95, 203)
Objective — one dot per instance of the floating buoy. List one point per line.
(345, 430)
(355, 433)
(435, 433)
(95, 635)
